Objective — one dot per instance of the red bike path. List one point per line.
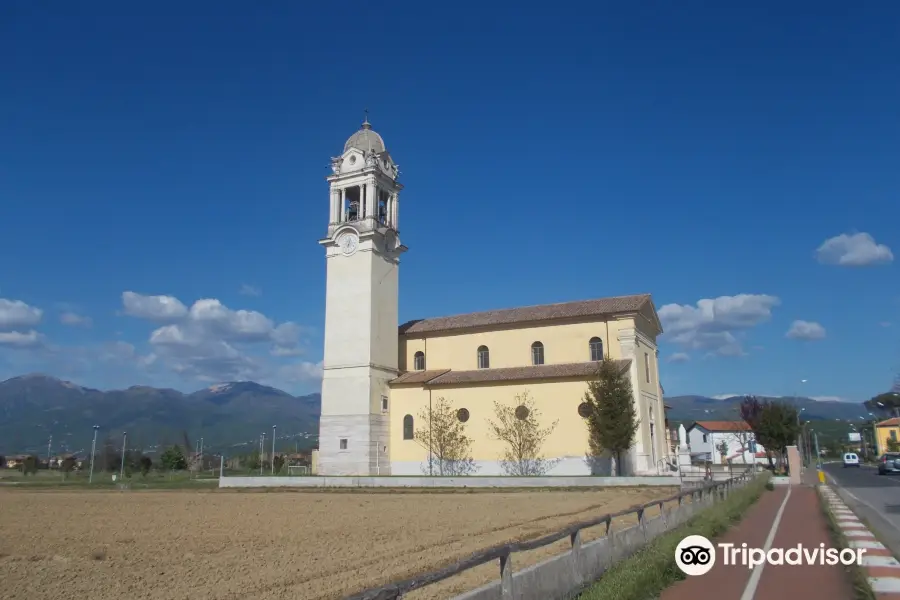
(801, 522)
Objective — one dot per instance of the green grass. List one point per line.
(52, 479)
(861, 588)
(646, 574)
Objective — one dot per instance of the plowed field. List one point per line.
(201, 545)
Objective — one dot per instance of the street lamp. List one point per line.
(93, 451)
(262, 450)
(122, 466)
(272, 460)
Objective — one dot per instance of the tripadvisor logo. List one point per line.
(696, 555)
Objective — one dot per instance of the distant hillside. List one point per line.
(229, 416)
(700, 408)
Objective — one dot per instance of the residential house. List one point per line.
(16, 461)
(705, 439)
(884, 431)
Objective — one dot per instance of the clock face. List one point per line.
(348, 243)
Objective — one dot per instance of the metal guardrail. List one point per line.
(394, 591)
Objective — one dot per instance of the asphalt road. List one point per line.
(875, 498)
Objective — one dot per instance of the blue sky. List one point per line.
(700, 153)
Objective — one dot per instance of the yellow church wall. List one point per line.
(564, 342)
(555, 400)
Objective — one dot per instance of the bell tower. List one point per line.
(362, 255)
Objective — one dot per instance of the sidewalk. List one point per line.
(801, 522)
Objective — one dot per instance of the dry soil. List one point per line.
(202, 545)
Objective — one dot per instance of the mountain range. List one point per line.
(230, 417)
(686, 409)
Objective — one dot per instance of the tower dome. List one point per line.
(366, 139)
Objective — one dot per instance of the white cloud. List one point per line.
(713, 324)
(679, 357)
(885, 323)
(828, 399)
(211, 342)
(724, 396)
(16, 339)
(154, 308)
(854, 250)
(301, 372)
(15, 314)
(75, 320)
(805, 330)
(249, 290)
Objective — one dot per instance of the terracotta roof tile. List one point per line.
(558, 371)
(566, 310)
(893, 422)
(718, 426)
(418, 376)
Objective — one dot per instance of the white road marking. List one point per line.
(885, 585)
(880, 561)
(750, 590)
(858, 533)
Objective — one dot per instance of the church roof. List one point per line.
(449, 377)
(565, 310)
(366, 140)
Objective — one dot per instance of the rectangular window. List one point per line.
(647, 365)
(704, 438)
(343, 443)
(893, 434)
(384, 402)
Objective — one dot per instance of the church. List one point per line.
(380, 376)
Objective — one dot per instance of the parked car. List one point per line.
(851, 459)
(889, 463)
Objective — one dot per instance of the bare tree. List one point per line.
(443, 434)
(519, 428)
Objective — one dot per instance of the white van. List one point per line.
(851, 459)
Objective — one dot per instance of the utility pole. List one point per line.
(262, 450)
(272, 458)
(201, 454)
(124, 446)
(49, 443)
(93, 451)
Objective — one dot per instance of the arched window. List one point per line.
(419, 361)
(596, 348)
(408, 427)
(484, 357)
(537, 353)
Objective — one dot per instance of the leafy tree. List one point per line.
(722, 448)
(173, 459)
(612, 419)
(145, 463)
(252, 461)
(442, 432)
(888, 402)
(30, 465)
(67, 465)
(774, 423)
(893, 445)
(2, 461)
(278, 462)
(519, 428)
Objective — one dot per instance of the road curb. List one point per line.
(881, 568)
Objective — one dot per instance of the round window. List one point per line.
(463, 415)
(352, 159)
(584, 410)
(522, 412)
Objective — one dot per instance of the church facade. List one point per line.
(380, 376)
